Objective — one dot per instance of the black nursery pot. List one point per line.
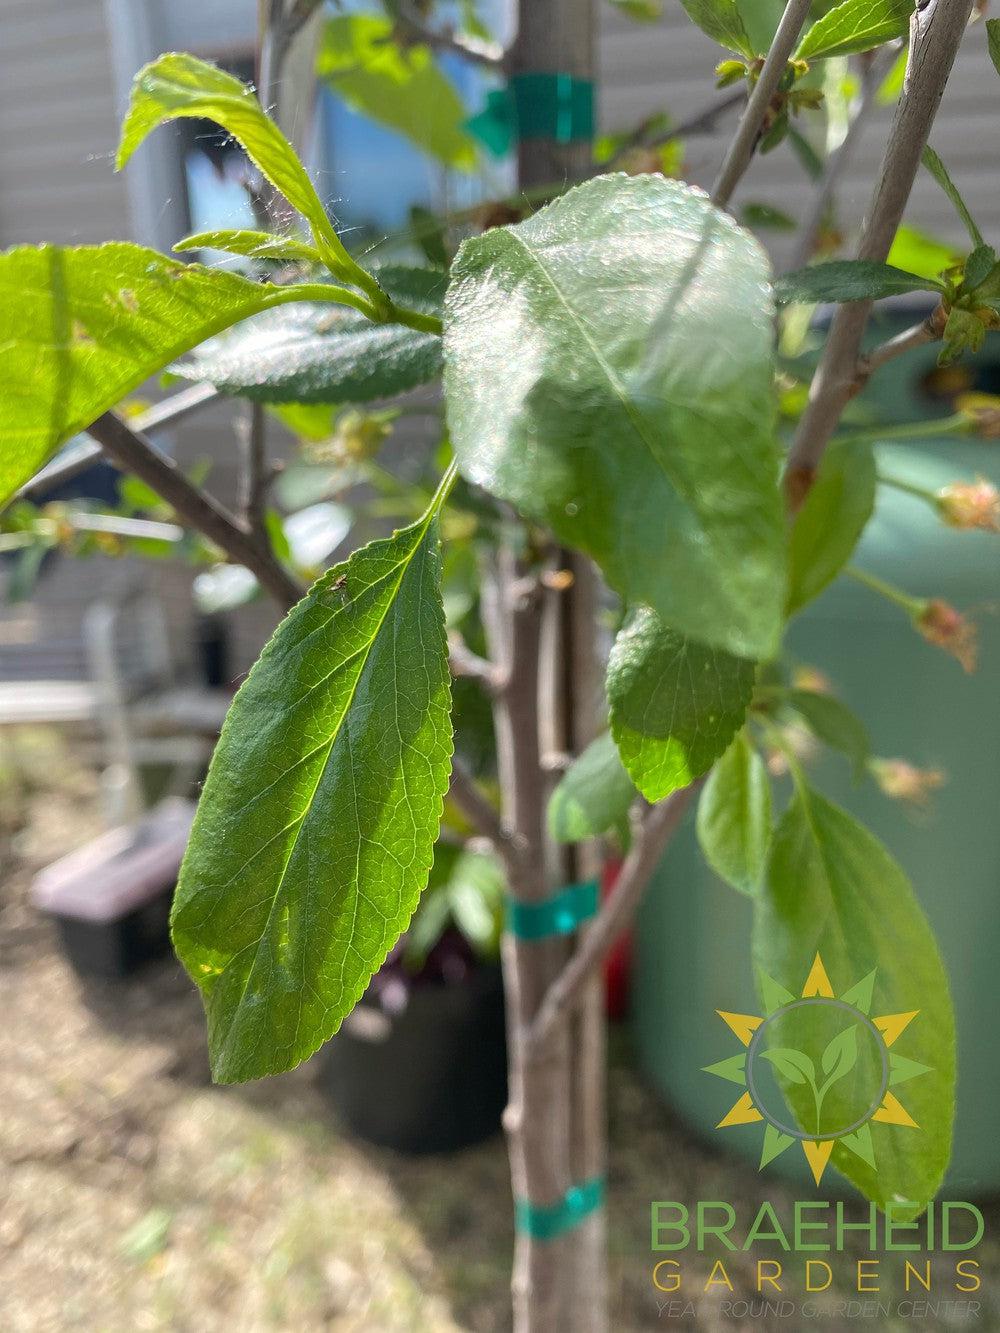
(431, 1077)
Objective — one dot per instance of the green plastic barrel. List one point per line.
(693, 932)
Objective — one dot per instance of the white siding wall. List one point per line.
(58, 124)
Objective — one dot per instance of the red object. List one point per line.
(618, 965)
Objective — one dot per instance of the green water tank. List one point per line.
(693, 932)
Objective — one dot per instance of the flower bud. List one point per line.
(902, 781)
(947, 628)
(969, 505)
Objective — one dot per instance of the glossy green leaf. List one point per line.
(938, 170)
(177, 85)
(253, 244)
(398, 86)
(322, 354)
(608, 370)
(993, 41)
(833, 517)
(734, 816)
(593, 795)
(675, 704)
(82, 327)
(855, 25)
(849, 280)
(834, 724)
(721, 20)
(832, 888)
(316, 827)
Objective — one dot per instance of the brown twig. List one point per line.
(134, 453)
(702, 122)
(411, 25)
(654, 832)
(928, 330)
(467, 665)
(256, 474)
(747, 135)
(935, 33)
(484, 817)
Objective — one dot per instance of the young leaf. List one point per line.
(618, 342)
(181, 85)
(398, 86)
(721, 20)
(834, 724)
(316, 827)
(993, 41)
(833, 517)
(937, 169)
(978, 267)
(253, 244)
(675, 704)
(734, 816)
(833, 888)
(593, 795)
(84, 326)
(794, 1066)
(849, 280)
(855, 25)
(319, 354)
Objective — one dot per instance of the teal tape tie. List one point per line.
(548, 1223)
(558, 915)
(535, 106)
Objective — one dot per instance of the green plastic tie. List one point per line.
(535, 106)
(556, 1219)
(558, 915)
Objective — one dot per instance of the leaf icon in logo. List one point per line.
(840, 1056)
(794, 1065)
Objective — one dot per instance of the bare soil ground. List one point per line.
(135, 1196)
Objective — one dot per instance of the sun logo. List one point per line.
(826, 1058)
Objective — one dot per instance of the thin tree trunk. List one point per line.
(556, 1118)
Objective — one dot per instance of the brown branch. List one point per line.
(935, 33)
(467, 665)
(928, 330)
(412, 26)
(484, 817)
(77, 458)
(748, 132)
(652, 836)
(134, 453)
(872, 77)
(256, 473)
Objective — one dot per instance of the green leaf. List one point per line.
(832, 888)
(316, 827)
(253, 244)
(82, 327)
(834, 724)
(768, 217)
(321, 354)
(833, 517)
(608, 369)
(840, 1055)
(734, 816)
(916, 252)
(849, 280)
(795, 1066)
(855, 25)
(993, 41)
(963, 332)
(978, 267)
(177, 85)
(675, 704)
(721, 20)
(644, 11)
(593, 795)
(398, 86)
(937, 169)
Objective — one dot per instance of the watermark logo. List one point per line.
(818, 1069)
